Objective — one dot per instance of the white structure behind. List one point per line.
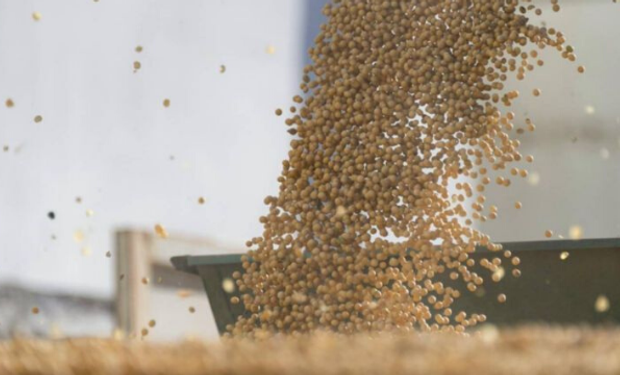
(107, 138)
(576, 144)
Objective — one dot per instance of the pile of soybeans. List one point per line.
(403, 120)
(528, 351)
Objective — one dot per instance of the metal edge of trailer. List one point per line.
(189, 264)
(214, 269)
(186, 263)
(554, 245)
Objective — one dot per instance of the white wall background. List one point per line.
(106, 137)
(578, 125)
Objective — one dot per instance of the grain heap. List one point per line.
(401, 100)
(522, 351)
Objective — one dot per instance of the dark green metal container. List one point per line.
(550, 290)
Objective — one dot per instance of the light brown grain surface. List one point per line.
(521, 351)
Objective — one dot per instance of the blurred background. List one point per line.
(119, 116)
